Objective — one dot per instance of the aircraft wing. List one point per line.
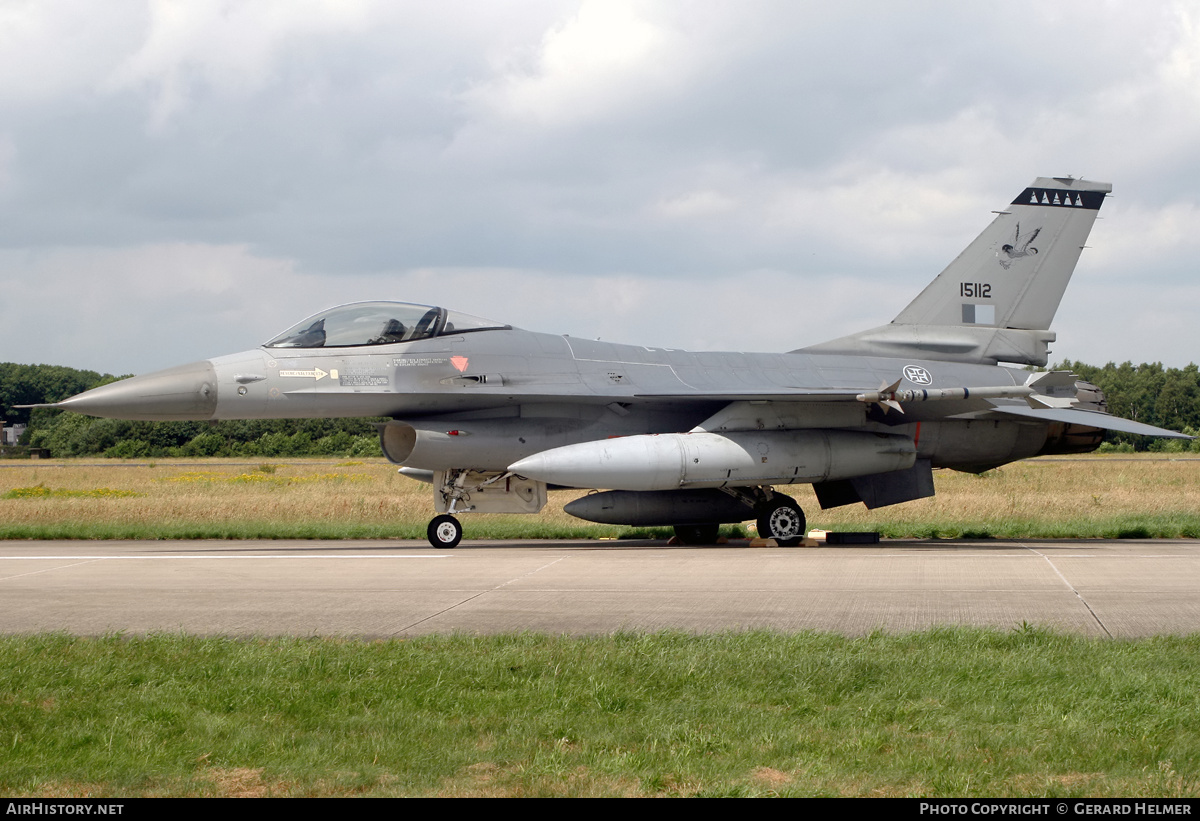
(747, 409)
(1095, 419)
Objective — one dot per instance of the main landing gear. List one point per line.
(781, 519)
(444, 532)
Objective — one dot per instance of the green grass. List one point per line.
(952, 712)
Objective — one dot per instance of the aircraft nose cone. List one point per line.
(182, 392)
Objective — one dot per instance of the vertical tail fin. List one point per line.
(996, 300)
(1013, 275)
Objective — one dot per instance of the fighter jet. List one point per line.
(492, 416)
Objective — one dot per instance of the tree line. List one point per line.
(1164, 397)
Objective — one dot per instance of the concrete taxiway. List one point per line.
(1116, 589)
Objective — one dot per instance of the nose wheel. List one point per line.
(444, 532)
(781, 519)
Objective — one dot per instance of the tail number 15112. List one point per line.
(976, 290)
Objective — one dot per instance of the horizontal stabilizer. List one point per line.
(1094, 419)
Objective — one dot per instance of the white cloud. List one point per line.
(231, 48)
(137, 308)
(1127, 320)
(60, 48)
(693, 204)
(8, 155)
(602, 59)
(759, 175)
(1139, 239)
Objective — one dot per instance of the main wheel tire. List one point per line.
(781, 519)
(444, 532)
(697, 534)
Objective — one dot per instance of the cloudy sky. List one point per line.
(180, 180)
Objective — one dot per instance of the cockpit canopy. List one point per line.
(379, 323)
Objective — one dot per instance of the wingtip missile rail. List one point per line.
(889, 397)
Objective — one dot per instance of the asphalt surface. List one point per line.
(1120, 589)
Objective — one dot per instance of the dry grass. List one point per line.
(204, 491)
(1039, 490)
(335, 495)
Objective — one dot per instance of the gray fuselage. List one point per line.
(516, 393)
